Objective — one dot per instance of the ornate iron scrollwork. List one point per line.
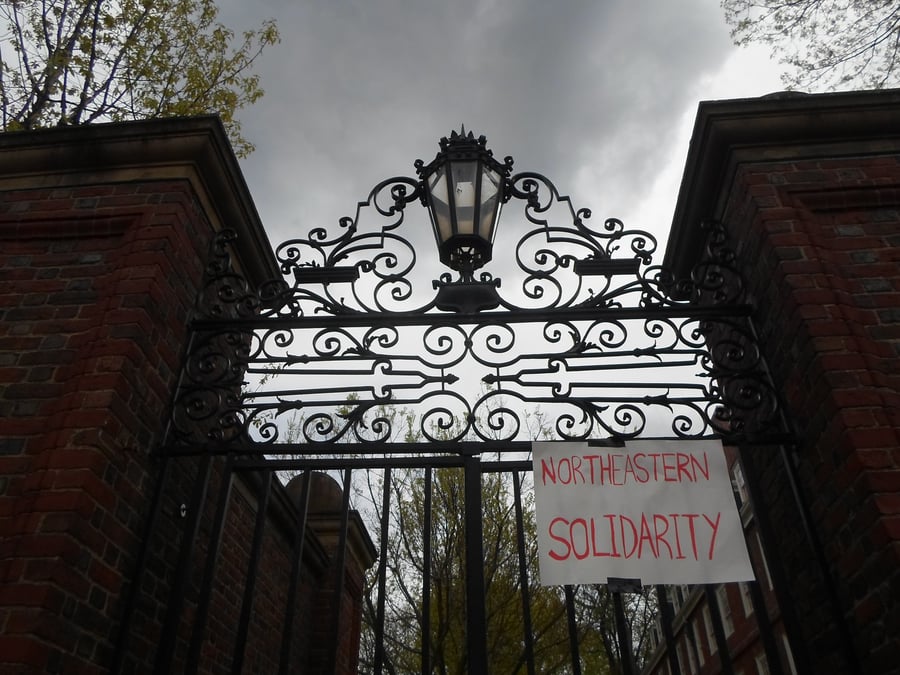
(591, 334)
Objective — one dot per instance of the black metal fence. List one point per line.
(455, 587)
(425, 416)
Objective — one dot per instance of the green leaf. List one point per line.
(131, 59)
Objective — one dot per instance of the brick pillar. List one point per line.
(103, 235)
(809, 187)
(324, 522)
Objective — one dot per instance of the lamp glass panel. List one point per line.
(440, 208)
(490, 202)
(464, 176)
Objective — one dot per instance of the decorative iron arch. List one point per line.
(307, 372)
(605, 343)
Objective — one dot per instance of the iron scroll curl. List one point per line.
(604, 343)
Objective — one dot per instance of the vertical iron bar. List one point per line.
(691, 641)
(287, 633)
(476, 615)
(262, 506)
(573, 629)
(764, 625)
(166, 647)
(791, 621)
(426, 579)
(137, 578)
(624, 633)
(756, 598)
(719, 630)
(382, 571)
(842, 629)
(666, 614)
(340, 564)
(523, 574)
(780, 582)
(212, 557)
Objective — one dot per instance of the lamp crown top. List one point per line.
(462, 145)
(463, 139)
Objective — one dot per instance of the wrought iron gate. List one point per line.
(363, 365)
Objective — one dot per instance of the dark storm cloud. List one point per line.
(589, 93)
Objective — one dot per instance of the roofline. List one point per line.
(777, 127)
(192, 148)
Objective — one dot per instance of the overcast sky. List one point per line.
(598, 95)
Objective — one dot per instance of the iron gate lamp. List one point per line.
(464, 188)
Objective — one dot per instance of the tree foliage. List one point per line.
(404, 622)
(80, 61)
(826, 44)
(596, 612)
(404, 571)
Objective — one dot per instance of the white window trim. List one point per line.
(789, 654)
(762, 556)
(710, 633)
(725, 609)
(746, 600)
(697, 643)
(740, 483)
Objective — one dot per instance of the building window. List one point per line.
(697, 643)
(708, 627)
(762, 666)
(725, 609)
(682, 662)
(679, 595)
(746, 600)
(739, 483)
(655, 634)
(692, 661)
(762, 556)
(789, 654)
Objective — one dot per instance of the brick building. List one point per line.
(809, 188)
(104, 233)
(693, 608)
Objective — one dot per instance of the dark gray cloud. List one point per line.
(591, 93)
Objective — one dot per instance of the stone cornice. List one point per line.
(195, 149)
(774, 128)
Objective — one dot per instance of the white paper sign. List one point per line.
(659, 511)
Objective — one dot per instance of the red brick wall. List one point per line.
(99, 271)
(96, 287)
(270, 601)
(820, 240)
(312, 635)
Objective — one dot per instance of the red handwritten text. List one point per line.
(621, 469)
(669, 536)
